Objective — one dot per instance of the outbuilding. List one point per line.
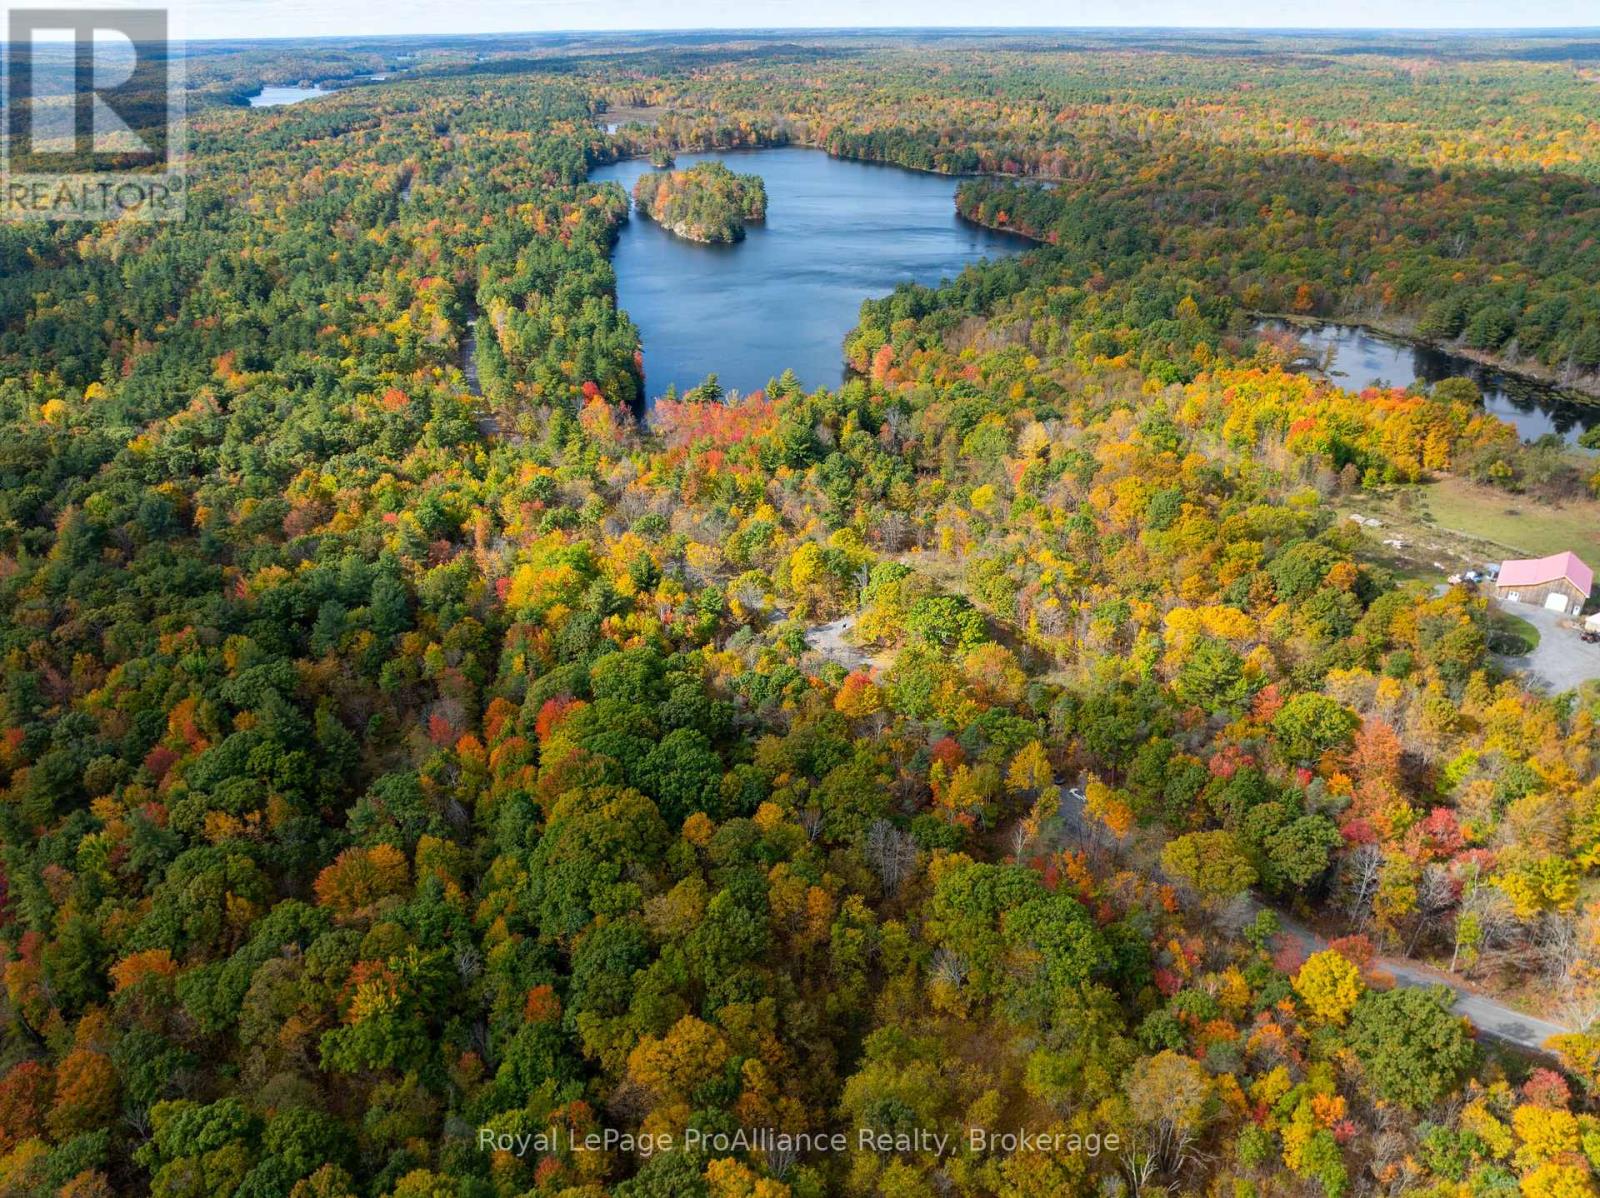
(1559, 583)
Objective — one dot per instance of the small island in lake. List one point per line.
(706, 203)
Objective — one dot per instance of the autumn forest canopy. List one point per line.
(415, 742)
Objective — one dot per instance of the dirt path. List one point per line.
(487, 422)
(469, 356)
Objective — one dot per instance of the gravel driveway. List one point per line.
(1489, 1017)
(1561, 661)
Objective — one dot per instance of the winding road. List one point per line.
(1487, 1016)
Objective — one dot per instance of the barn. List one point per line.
(1560, 582)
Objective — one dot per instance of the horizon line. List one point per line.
(1282, 31)
(749, 30)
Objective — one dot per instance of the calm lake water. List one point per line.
(836, 233)
(271, 97)
(1365, 359)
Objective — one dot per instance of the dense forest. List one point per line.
(410, 792)
(707, 202)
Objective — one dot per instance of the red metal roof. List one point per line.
(1534, 571)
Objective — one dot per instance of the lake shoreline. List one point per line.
(1355, 357)
(1584, 393)
(797, 144)
(837, 233)
(1587, 392)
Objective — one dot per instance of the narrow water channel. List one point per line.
(1356, 358)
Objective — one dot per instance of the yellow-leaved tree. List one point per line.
(1330, 986)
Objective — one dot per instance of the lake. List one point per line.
(271, 97)
(836, 233)
(1362, 358)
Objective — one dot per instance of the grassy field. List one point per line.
(1521, 525)
(1450, 526)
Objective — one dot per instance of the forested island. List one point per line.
(403, 789)
(706, 202)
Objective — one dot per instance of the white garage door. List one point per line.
(1556, 601)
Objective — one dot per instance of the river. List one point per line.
(836, 233)
(1362, 358)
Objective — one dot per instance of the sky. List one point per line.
(308, 18)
